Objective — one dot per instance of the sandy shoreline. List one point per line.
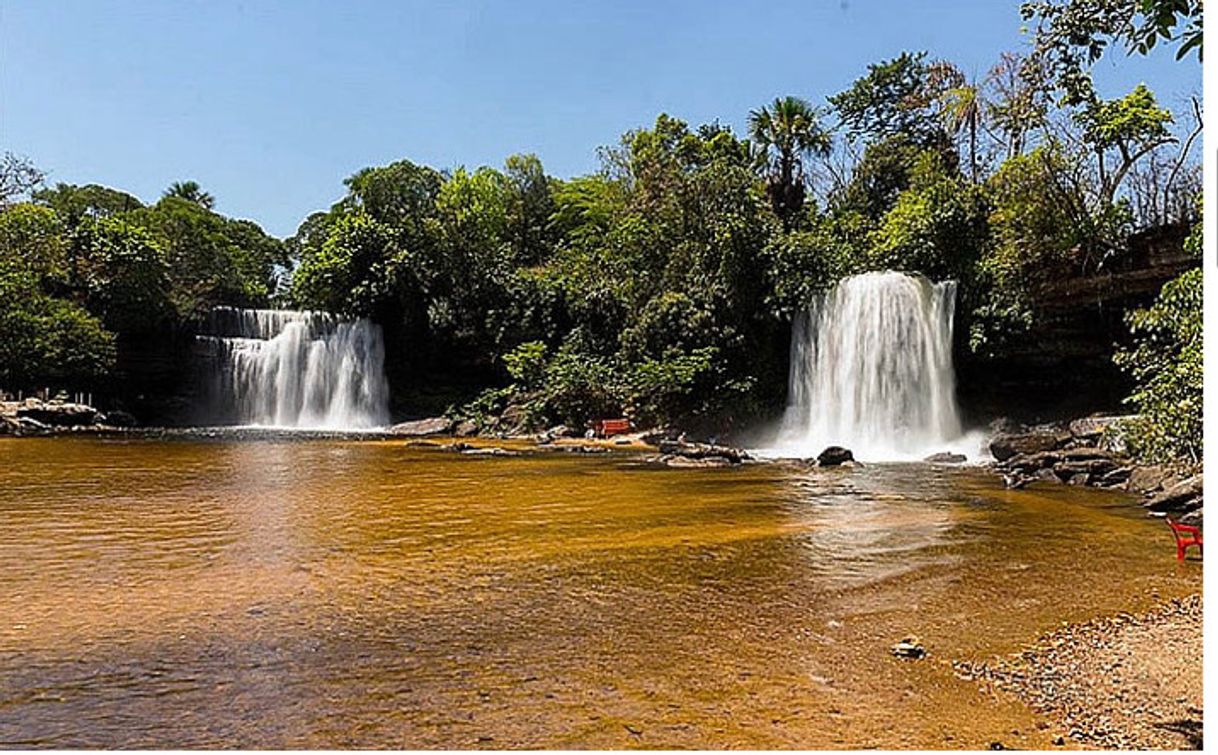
(1122, 682)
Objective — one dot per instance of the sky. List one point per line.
(270, 105)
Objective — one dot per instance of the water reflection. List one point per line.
(333, 593)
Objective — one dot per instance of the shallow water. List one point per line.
(333, 593)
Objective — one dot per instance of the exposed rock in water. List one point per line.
(703, 462)
(465, 428)
(834, 456)
(702, 451)
(946, 457)
(1182, 497)
(422, 427)
(1151, 477)
(1006, 445)
(492, 451)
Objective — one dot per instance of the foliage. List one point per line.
(191, 192)
(1167, 362)
(48, 341)
(893, 99)
(937, 227)
(18, 176)
(74, 204)
(787, 131)
(1072, 35)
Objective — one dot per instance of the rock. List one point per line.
(1082, 478)
(1183, 496)
(1116, 476)
(1046, 475)
(946, 457)
(1097, 467)
(702, 451)
(1005, 445)
(834, 456)
(1030, 462)
(586, 449)
(704, 462)
(1150, 477)
(465, 428)
(421, 427)
(491, 451)
(659, 435)
(120, 418)
(910, 647)
(1091, 429)
(1085, 453)
(562, 431)
(58, 414)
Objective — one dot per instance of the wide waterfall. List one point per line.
(281, 368)
(871, 370)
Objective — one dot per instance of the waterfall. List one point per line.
(871, 370)
(281, 368)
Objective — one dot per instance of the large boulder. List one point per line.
(1151, 477)
(834, 456)
(1183, 496)
(1005, 445)
(422, 427)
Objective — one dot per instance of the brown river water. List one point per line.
(345, 593)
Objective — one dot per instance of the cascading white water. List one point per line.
(871, 370)
(282, 368)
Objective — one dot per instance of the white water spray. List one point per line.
(281, 368)
(871, 370)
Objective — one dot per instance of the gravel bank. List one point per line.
(1125, 682)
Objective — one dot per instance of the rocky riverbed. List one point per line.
(1089, 451)
(1123, 682)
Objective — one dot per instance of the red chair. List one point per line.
(1185, 536)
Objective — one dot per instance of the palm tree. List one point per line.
(963, 106)
(191, 192)
(787, 131)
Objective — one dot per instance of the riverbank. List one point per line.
(1122, 682)
(1090, 451)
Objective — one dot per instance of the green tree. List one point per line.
(191, 192)
(788, 130)
(74, 204)
(1070, 36)
(1167, 363)
(895, 98)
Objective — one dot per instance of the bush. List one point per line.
(1167, 363)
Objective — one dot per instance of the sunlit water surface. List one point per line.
(367, 594)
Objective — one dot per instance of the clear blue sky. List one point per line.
(269, 105)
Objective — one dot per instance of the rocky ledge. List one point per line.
(34, 416)
(1088, 451)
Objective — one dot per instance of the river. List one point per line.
(347, 593)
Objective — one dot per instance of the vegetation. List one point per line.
(661, 286)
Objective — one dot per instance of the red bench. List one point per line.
(1185, 536)
(609, 427)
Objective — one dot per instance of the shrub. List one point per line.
(1166, 360)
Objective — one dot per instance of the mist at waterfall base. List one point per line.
(290, 369)
(871, 370)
